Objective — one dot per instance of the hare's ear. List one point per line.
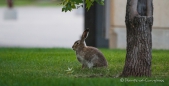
(85, 34)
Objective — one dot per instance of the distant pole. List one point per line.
(95, 21)
(10, 3)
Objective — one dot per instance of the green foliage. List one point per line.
(68, 5)
(59, 67)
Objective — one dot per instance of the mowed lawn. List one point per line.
(59, 67)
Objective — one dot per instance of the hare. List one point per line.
(88, 56)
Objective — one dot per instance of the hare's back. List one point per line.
(92, 51)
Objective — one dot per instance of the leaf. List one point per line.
(68, 5)
(69, 69)
(89, 3)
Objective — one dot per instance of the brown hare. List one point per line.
(89, 56)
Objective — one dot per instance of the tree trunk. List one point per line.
(139, 20)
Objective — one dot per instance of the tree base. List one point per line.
(139, 47)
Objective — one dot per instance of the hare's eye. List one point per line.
(77, 43)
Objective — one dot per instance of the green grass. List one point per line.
(47, 67)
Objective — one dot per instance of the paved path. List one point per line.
(40, 27)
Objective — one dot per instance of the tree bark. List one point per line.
(139, 39)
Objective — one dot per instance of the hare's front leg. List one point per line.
(84, 66)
